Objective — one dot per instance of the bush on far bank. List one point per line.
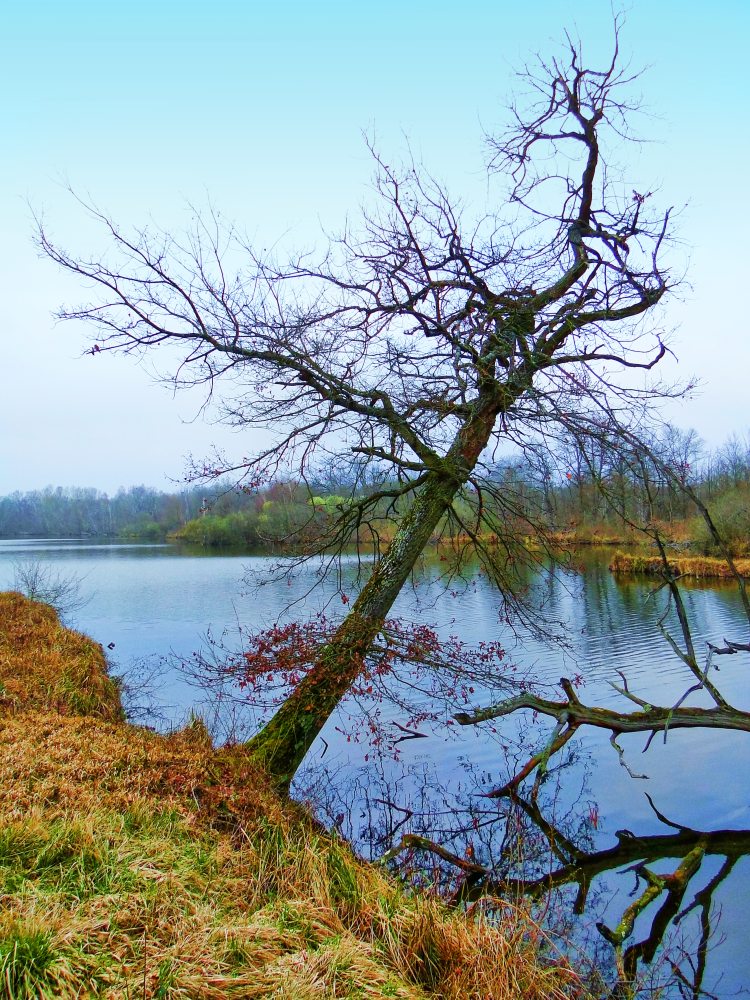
(731, 515)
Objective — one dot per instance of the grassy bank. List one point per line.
(138, 865)
(584, 536)
(697, 567)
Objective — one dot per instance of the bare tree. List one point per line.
(42, 582)
(421, 343)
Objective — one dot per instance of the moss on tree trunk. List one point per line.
(283, 743)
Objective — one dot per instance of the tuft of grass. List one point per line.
(58, 857)
(33, 965)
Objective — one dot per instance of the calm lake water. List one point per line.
(156, 602)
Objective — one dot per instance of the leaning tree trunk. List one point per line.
(283, 743)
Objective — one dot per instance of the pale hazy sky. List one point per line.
(260, 107)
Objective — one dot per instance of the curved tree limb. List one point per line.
(650, 719)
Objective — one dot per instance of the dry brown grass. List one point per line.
(46, 666)
(696, 567)
(137, 865)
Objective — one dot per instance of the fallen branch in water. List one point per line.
(572, 712)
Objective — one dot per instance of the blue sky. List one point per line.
(260, 108)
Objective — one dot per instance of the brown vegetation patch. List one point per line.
(46, 666)
(72, 765)
(698, 567)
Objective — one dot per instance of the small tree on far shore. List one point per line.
(421, 345)
(41, 582)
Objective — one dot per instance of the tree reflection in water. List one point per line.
(476, 849)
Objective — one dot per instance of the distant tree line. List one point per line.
(211, 516)
(79, 512)
(577, 487)
(590, 486)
